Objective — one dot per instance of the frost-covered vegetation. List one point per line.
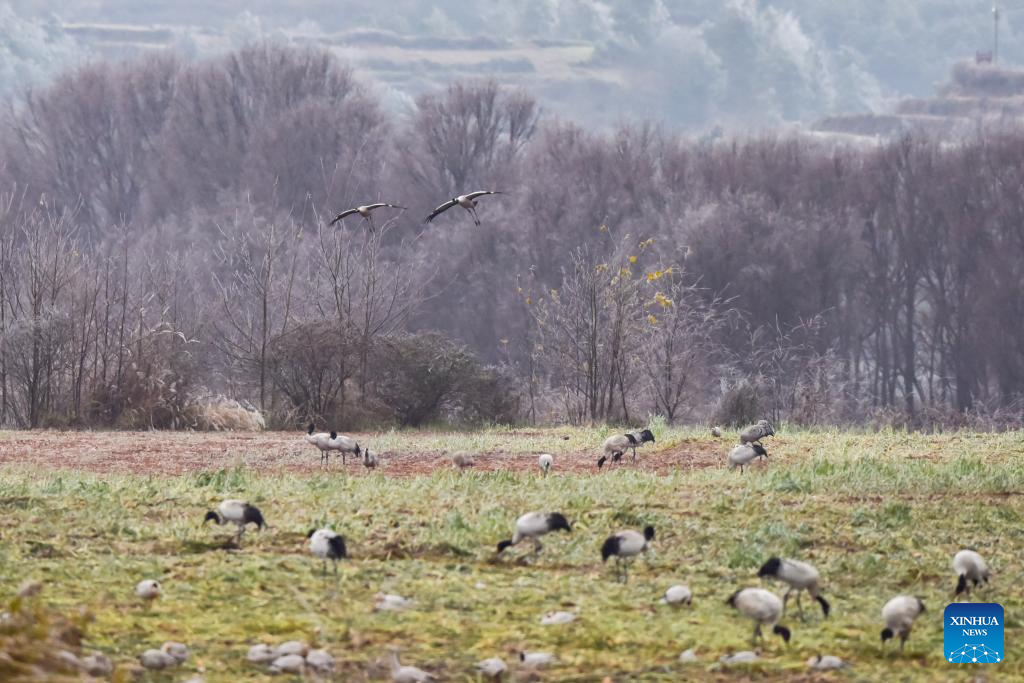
(878, 514)
(164, 240)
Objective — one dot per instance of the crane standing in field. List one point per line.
(322, 440)
(466, 201)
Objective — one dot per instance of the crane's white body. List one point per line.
(899, 615)
(408, 674)
(148, 589)
(492, 668)
(534, 660)
(344, 445)
(678, 595)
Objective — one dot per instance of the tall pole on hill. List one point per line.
(995, 33)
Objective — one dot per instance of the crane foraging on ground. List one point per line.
(237, 512)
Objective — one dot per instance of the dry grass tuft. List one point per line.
(39, 644)
(222, 414)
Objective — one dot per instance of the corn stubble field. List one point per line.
(878, 514)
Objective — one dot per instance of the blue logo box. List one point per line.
(973, 633)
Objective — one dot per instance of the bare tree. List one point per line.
(682, 345)
(255, 283)
(370, 290)
(34, 343)
(471, 133)
(587, 331)
(229, 115)
(87, 141)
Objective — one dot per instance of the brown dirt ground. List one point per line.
(173, 453)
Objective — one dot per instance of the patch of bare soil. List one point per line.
(174, 453)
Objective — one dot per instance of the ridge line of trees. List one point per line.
(163, 249)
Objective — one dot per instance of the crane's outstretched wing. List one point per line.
(341, 215)
(481, 193)
(441, 209)
(378, 205)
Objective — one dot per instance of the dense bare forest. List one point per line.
(165, 261)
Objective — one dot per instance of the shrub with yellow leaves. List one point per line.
(658, 274)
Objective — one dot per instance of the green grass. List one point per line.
(879, 515)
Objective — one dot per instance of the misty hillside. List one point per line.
(693, 65)
(976, 94)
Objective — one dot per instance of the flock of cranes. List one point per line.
(613, 448)
(763, 607)
(466, 201)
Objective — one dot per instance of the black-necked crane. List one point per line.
(678, 594)
(624, 546)
(899, 615)
(755, 432)
(971, 570)
(744, 454)
(237, 512)
(535, 660)
(615, 446)
(466, 201)
(322, 441)
(826, 663)
(148, 590)
(761, 606)
(403, 673)
(799, 576)
(532, 526)
(327, 545)
(344, 444)
(493, 668)
(366, 211)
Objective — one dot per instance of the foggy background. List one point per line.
(810, 212)
(691, 64)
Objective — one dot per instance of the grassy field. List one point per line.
(878, 514)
